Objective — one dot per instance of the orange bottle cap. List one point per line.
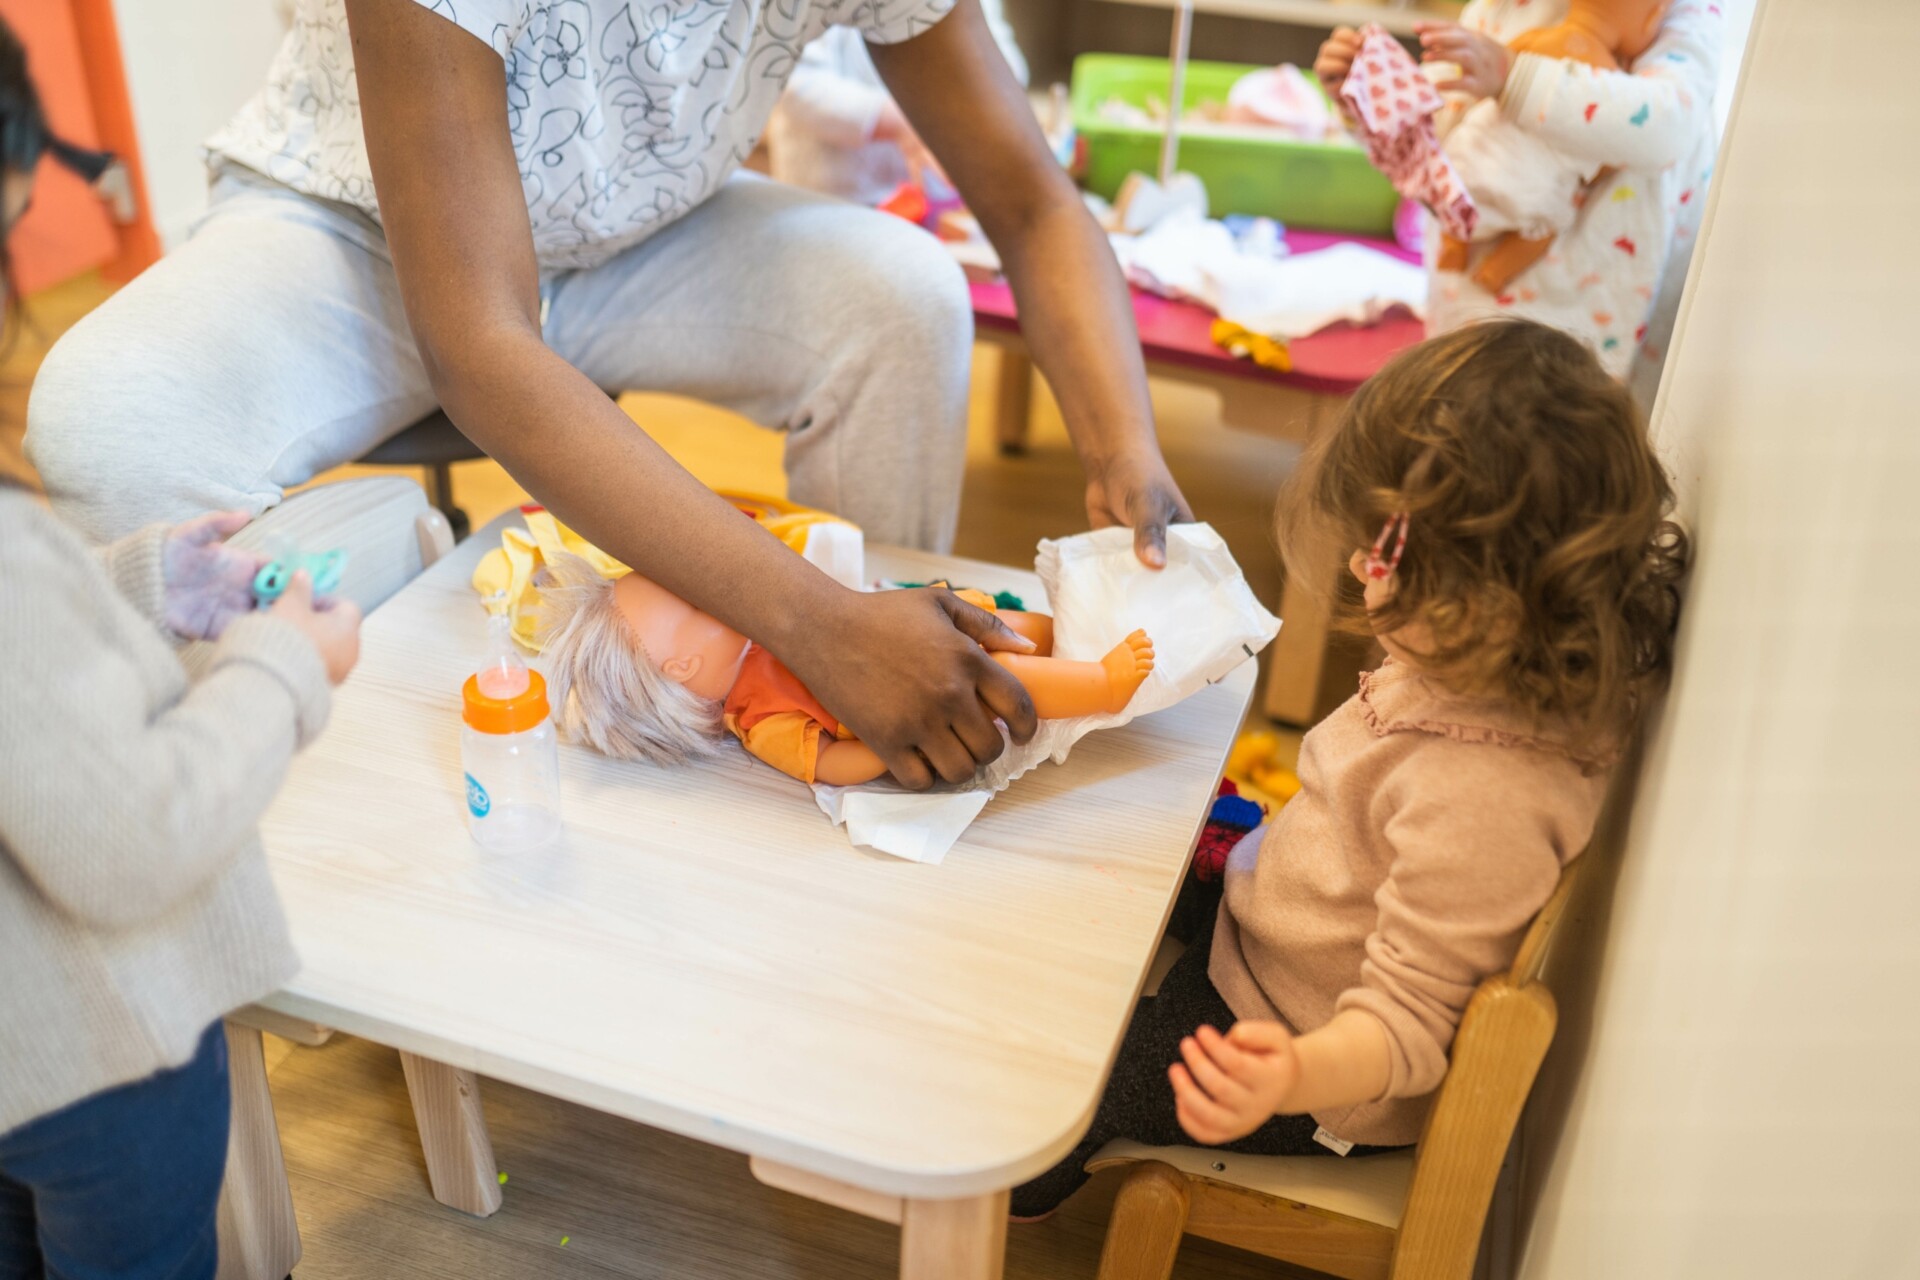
(514, 714)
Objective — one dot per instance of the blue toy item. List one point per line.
(273, 580)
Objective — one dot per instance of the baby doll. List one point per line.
(639, 673)
(1527, 190)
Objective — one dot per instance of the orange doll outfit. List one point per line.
(778, 720)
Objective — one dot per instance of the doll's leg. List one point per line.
(1510, 255)
(1062, 689)
(1452, 254)
(1037, 627)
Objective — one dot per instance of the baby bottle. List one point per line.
(508, 750)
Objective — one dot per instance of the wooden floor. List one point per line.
(629, 1201)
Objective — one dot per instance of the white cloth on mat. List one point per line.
(1196, 260)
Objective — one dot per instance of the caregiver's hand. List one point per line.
(208, 582)
(908, 672)
(1136, 490)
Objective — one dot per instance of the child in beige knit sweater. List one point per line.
(135, 905)
(1507, 521)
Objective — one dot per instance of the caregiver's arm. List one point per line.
(895, 666)
(1074, 312)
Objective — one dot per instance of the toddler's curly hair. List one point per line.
(1540, 557)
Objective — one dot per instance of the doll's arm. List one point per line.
(1037, 627)
(1646, 118)
(847, 763)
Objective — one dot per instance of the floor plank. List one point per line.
(630, 1201)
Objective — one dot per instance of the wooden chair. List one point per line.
(1414, 1215)
(390, 535)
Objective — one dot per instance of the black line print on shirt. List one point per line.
(623, 114)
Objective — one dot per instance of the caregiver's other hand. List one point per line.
(1136, 490)
(1483, 61)
(1335, 59)
(1229, 1085)
(908, 672)
(208, 582)
(331, 623)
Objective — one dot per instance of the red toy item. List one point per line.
(907, 201)
(1227, 825)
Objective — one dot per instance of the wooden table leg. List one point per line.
(259, 1239)
(1012, 399)
(1299, 656)
(954, 1239)
(453, 1135)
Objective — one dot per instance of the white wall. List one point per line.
(190, 64)
(1750, 1100)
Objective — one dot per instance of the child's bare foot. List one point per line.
(1127, 665)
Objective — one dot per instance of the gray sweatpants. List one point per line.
(272, 345)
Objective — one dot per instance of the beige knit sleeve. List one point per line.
(114, 802)
(1479, 835)
(135, 565)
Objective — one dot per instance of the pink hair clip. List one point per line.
(1381, 566)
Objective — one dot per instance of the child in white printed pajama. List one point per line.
(1651, 128)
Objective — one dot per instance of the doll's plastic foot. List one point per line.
(1128, 664)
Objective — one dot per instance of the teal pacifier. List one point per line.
(274, 578)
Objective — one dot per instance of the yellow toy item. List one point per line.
(1255, 763)
(1245, 344)
(508, 572)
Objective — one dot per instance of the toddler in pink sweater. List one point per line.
(1507, 521)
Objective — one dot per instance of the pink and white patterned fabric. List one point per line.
(1394, 105)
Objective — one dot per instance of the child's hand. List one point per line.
(208, 583)
(1231, 1085)
(1336, 59)
(1483, 61)
(332, 625)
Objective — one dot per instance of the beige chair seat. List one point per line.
(1370, 1188)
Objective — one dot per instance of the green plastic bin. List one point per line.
(1303, 184)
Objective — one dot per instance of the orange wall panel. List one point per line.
(73, 55)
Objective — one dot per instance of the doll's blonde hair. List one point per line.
(608, 692)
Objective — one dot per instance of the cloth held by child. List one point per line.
(1394, 105)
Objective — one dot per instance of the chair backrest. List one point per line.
(1496, 1054)
(383, 523)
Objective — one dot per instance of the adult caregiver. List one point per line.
(557, 212)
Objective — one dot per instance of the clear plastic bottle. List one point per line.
(509, 751)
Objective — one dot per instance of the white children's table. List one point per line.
(704, 953)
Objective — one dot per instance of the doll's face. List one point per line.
(689, 647)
